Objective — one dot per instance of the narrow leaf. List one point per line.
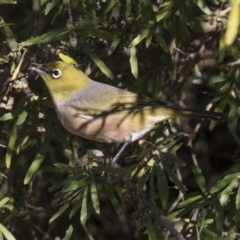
(8, 235)
(43, 151)
(94, 196)
(197, 172)
(59, 212)
(133, 61)
(102, 66)
(10, 146)
(83, 216)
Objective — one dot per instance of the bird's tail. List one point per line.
(207, 115)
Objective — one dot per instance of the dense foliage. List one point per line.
(180, 181)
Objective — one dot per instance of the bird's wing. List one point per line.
(98, 98)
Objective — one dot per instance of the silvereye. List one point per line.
(104, 113)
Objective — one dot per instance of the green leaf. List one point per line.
(69, 233)
(162, 43)
(150, 229)
(49, 37)
(232, 116)
(65, 167)
(102, 66)
(11, 115)
(174, 159)
(162, 186)
(113, 200)
(10, 146)
(226, 193)
(75, 208)
(165, 9)
(143, 180)
(74, 185)
(219, 218)
(10, 38)
(83, 216)
(173, 177)
(22, 117)
(190, 199)
(94, 196)
(118, 171)
(4, 201)
(8, 235)
(59, 212)
(110, 5)
(67, 59)
(223, 182)
(202, 5)
(113, 46)
(133, 61)
(42, 153)
(197, 172)
(8, 2)
(238, 199)
(140, 37)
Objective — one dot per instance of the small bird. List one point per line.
(103, 113)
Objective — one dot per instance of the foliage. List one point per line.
(186, 172)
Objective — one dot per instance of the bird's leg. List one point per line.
(114, 160)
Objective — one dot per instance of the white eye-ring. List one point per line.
(56, 73)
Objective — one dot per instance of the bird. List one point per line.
(104, 113)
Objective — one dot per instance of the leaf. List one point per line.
(113, 200)
(10, 146)
(66, 58)
(69, 233)
(150, 229)
(4, 201)
(219, 218)
(190, 199)
(238, 199)
(118, 171)
(74, 185)
(174, 159)
(197, 172)
(65, 167)
(83, 216)
(113, 46)
(162, 186)
(99, 63)
(46, 38)
(174, 178)
(10, 38)
(8, 2)
(226, 193)
(22, 117)
(133, 61)
(11, 115)
(94, 197)
(223, 182)
(8, 235)
(164, 10)
(59, 212)
(140, 37)
(232, 23)
(43, 151)
(202, 5)
(143, 180)
(110, 5)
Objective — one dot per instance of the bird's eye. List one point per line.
(56, 73)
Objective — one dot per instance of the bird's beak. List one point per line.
(39, 68)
